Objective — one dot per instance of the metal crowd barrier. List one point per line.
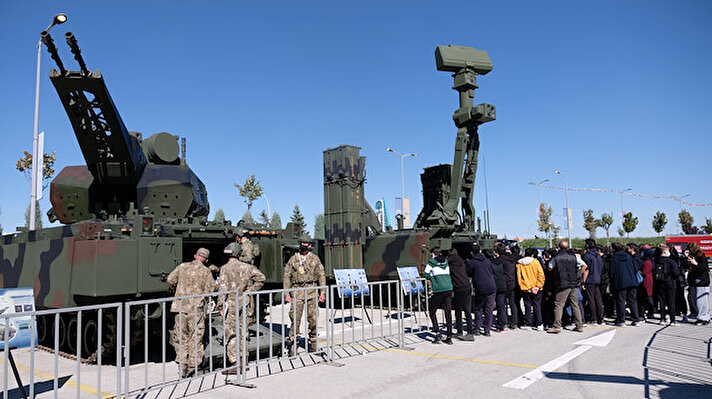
(417, 302)
(101, 311)
(148, 311)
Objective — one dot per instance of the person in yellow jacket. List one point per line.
(530, 277)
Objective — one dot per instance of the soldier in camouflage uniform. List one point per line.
(249, 250)
(303, 269)
(241, 277)
(190, 278)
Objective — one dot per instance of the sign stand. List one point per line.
(352, 283)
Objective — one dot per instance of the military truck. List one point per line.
(353, 235)
(129, 216)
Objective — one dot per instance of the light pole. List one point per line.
(538, 189)
(402, 156)
(37, 174)
(568, 211)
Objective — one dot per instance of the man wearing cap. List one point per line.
(303, 269)
(241, 277)
(249, 250)
(190, 278)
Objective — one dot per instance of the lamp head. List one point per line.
(557, 172)
(59, 19)
(389, 149)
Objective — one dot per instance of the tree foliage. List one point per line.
(606, 221)
(621, 232)
(38, 216)
(686, 221)
(707, 227)
(298, 220)
(544, 222)
(319, 227)
(264, 219)
(659, 222)
(629, 223)
(24, 165)
(275, 222)
(590, 223)
(220, 215)
(250, 190)
(249, 220)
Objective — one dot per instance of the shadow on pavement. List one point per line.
(40, 388)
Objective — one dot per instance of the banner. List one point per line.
(606, 190)
(17, 329)
(409, 278)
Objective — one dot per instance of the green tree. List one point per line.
(659, 222)
(249, 220)
(298, 220)
(264, 219)
(38, 216)
(686, 220)
(319, 227)
(275, 221)
(707, 227)
(629, 223)
(621, 232)
(24, 165)
(220, 215)
(606, 221)
(545, 224)
(590, 223)
(250, 190)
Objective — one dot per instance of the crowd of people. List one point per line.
(566, 286)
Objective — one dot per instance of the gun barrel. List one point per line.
(52, 49)
(72, 42)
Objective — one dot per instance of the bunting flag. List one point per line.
(631, 193)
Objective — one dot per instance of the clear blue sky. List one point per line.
(615, 94)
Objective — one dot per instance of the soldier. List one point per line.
(249, 250)
(304, 269)
(241, 277)
(190, 278)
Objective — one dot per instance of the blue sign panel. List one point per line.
(17, 329)
(410, 280)
(351, 282)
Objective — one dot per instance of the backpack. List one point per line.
(660, 272)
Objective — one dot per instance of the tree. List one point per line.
(220, 215)
(629, 223)
(659, 221)
(621, 232)
(545, 223)
(275, 222)
(686, 220)
(707, 227)
(606, 221)
(319, 227)
(298, 220)
(24, 165)
(590, 223)
(247, 217)
(264, 219)
(250, 190)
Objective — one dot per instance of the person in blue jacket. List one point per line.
(624, 283)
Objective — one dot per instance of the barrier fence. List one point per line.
(69, 326)
(348, 320)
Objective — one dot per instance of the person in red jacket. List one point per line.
(645, 291)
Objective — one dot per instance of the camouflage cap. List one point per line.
(306, 238)
(241, 231)
(233, 249)
(203, 252)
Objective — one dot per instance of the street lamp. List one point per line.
(402, 156)
(538, 189)
(568, 211)
(37, 174)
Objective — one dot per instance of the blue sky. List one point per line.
(615, 94)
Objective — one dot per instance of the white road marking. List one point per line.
(535, 375)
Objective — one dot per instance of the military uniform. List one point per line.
(303, 271)
(249, 251)
(189, 278)
(239, 276)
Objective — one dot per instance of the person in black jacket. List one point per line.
(592, 285)
(462, 298)
(566, 267)
(510, 273)
(485, 287)
(501, 283)
(624, 283)
(665, 275)
(698, 281)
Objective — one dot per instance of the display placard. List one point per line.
(351, 282)
(16, 300)
(410, 280)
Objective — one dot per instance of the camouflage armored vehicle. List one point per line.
(354, 237)
(130, 215)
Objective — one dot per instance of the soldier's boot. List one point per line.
(292, 348)
(312, 345)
